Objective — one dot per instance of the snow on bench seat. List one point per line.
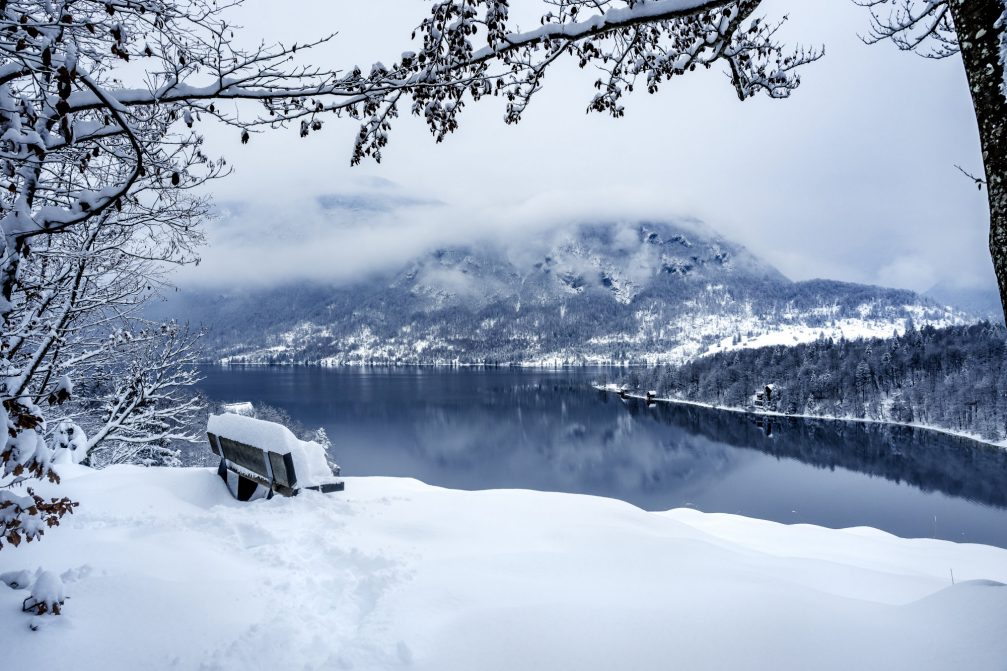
(257, 454)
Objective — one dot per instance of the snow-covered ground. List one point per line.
(796, 334)
(165, 571)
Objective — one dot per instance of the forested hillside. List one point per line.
(954, 378)
(644, 292)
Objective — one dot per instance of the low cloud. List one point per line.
(342, 237)
(846, 180)
(911, 272)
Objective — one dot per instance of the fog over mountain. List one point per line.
(982, 301)
(853, 178)
(582, 293)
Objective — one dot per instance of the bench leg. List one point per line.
(241, 488)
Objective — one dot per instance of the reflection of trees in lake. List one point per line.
(557, 436)
(560, 437)
(925, 459)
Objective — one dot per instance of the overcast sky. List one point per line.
(853, 178)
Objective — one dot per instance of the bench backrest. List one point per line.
(272, 466)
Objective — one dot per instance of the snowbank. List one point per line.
(163, 569)
(241, 408)
(310, 464)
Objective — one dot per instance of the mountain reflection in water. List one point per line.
(548, 430)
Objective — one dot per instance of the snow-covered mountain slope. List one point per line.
(587, 293)
(396, 574)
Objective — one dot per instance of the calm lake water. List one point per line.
(548, 430)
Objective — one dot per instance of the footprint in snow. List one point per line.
(405, 655)
(253, 536)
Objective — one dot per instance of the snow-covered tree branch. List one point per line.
(923, 26)
(145, 405)
(469, 51)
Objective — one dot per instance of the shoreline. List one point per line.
(413, 364)
(828, 418)
(610, 389)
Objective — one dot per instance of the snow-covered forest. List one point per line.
(952, 378)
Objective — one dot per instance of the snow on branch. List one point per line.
(923, 26)
(148, 404)
(469, 51)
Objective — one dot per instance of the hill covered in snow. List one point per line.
(396, 574)
(951, 378)
(590, 293)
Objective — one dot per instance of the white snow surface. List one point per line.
(48, 589)
(850, 329)
(310, 464)
(240, 408)
(70, 443)
(164, 570)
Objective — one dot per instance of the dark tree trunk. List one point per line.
(980, 47)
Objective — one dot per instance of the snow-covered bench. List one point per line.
(259, 458)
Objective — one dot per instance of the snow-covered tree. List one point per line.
(470, 50)
(141, 408)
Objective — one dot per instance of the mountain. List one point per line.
(599, 292)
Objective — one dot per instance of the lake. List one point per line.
(549, 430)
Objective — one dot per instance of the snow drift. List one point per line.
(163, 569)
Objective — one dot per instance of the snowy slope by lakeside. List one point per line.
(950, 379)
(167, 571)
(616, 389)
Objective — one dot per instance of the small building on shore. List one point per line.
(765, 399)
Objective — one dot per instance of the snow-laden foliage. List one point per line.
(469, 50)
(70, 443)
(141, 410)
(47, 594)
(24, 515)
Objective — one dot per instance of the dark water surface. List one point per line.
(548, 430)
